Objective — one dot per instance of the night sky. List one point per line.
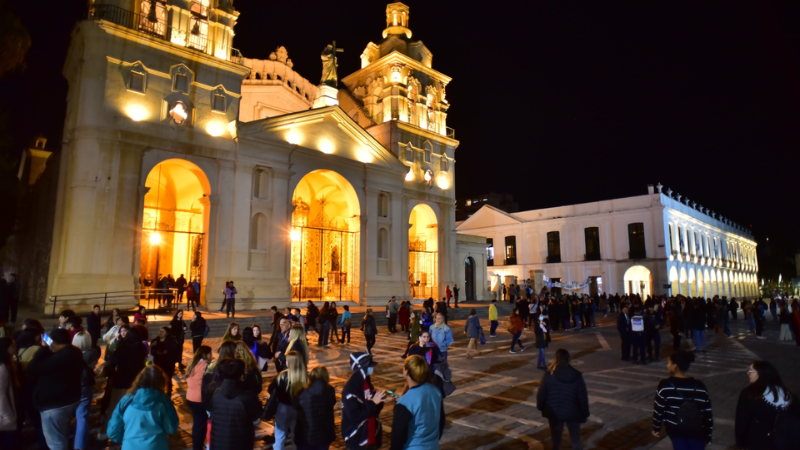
(553, 103)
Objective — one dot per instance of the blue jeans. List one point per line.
(199, 424)
(566, 323)
(284, 421)
(55, 425)
(493, 327)
(687, 444)
(577, 319)
(700, 339)
(541, 362)
(516, 338)
(82, 418)
(727, 330)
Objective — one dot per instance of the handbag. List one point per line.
(347, 322)
(483, 339)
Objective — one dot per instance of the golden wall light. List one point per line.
(294, 235)
(155, 238)
(137, 112)
(443, 182)
(215, 128)
(363, 155)
(326, 146)
(410, 174)
(293, 137)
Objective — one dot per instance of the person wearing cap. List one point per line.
(361, 404)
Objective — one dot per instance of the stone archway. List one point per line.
(423, 252)
(638, 281)
(174, 224)
(325, 231)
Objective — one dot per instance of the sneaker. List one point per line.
(327, 345)
(512, 351)
(522, 349)
(760, 337)
(492, 335)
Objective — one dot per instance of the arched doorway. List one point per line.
(469, 278)
(326, 223)
(174, 223)
(423, 252)
(637, 281)
(673, 280)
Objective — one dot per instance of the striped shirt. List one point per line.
(671, 394)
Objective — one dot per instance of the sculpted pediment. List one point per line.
(328, 130)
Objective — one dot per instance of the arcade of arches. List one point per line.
(638, 280)
(423, 252)
(326, 223)
(174, 222)
(710, 282)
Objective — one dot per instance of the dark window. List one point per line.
(672, 241)
(553, 247)
(592, 235)
(136, 82)
(511, 250)
(681, 245)
(636, 241)
(219, 103)
(181, 83)
(489, 251)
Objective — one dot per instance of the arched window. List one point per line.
(383, 205)
(428, 149)
(258, 230)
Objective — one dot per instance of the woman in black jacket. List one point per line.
(758, 407)
(177, 328)
(563, 399)
(127, 361)
(315, 417)
(370, 329)
(165, 353)
(233, 410)
(198, 329)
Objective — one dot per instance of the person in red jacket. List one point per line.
(515, 327)
(448, 293)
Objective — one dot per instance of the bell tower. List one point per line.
(397, 20)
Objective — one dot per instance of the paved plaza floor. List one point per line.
(494, 406)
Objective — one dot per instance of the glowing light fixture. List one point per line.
(428, 176)
(364, 155)
(215, 128)
(295, 234)
(410, 175)
(443, 182)
(136, 112)
(326, 146)
(293, 137)
(155, 238)
(179, 113)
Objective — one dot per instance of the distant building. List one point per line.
(650, 244)
(465, 207)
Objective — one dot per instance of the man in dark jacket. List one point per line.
(315, 417)
(181, 283)
(312, 312)
(280, 345)
(563, 399)
(94, 324)
(361, 404)
(13, 297)
(624, 329)
(233, 410)
(58, 390)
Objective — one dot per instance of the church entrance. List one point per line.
(175, 215)
(423, 253)
(325, 232)
(469, 278)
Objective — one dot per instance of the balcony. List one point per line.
(638, 254)
(591, 256)
(553, 259)
(156, 26)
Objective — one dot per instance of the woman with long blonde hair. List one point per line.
(146, 415)
(232, 333)
(282, 390)
(298, 342)
(252, 373)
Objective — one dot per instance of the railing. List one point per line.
(148, 295)
(159, 29)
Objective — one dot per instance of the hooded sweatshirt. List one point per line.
(143, 421)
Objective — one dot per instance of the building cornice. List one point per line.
(395, 57)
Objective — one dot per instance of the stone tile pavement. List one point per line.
(494, 406)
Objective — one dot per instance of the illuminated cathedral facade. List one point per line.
(182, 157)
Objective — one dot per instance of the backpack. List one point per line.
(786, 431)
(690, 416)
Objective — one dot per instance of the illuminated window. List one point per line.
(180, 83)
(198, 33)
(219, 103)
(153, 17)
(511, 250)
(489, 251)
(136, 81)
(179, 113)
(200, 7)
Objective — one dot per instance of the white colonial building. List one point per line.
(182, 157)
(650, 244)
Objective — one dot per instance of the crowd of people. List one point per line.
(46, 380)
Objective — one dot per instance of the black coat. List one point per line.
(356, 409)
(369, 327)
(128, 361)
(233, 411)
(59, 377)
(198, 327)
(93, 325)
(315, 417)
(755, 419)
(563, 396)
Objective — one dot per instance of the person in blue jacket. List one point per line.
(441, 334)
(419, 419)
(145, 416)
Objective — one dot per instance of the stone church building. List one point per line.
(180, 156)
